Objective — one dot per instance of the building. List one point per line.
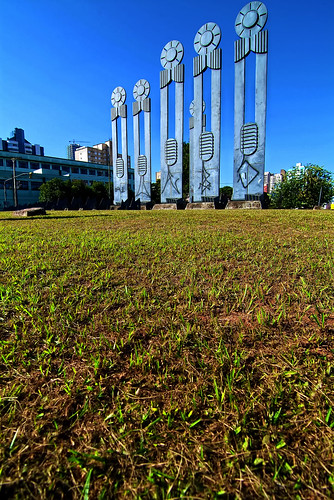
(270, 181)
(99, 153)
(18, 144)
(28, 182)
(71, 149)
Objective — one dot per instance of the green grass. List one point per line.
(167, 355)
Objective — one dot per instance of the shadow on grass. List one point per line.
(36, 217)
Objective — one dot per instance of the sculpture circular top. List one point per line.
(118, 97)
(251, 19)
(141, 90)
(207, 38)
(172, 54)
(192, 108)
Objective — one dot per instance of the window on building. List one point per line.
(100, 173)
(34, 165)
(9, 163)
(75, 170)
(6, 184)
(35, 185)
(46, 166)
(91, 172)
(83, 171)
(1, 163)
(65, 169)
(23, 164)
(105, 174)
(23, 185)
(55, 167)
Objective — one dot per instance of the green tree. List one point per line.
(185, 170)
(99, 190)
(79, 190)
(303, 187)
(53, 190)
(227, 191)
(155, 191)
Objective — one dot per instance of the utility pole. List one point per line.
(14, 183)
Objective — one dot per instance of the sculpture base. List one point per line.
(30, 212)
(165, 206)
(249, 205)
(206, 205)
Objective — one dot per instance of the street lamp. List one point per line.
(38, 171)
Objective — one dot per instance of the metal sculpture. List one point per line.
(142, 161)
(191, 147)
(249, 138)
(171, 148)
(120, 160)
(206, 144)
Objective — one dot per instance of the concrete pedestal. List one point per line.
(207, 205)
(249, 205)
(30, 212)
(165, 206)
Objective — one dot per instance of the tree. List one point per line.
(303, 187)
(53, 190)
(79, 190)
(226, 191)
(99, 190)
(155, 191)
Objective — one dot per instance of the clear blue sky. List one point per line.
(61, 60)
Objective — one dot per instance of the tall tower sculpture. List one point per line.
(249, 138)
(191, 148)
(206, 144)
(142, 161)
(120, 160)
(171, 148)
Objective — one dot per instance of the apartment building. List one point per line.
(19, 144)
(99, 153)
(270, 180)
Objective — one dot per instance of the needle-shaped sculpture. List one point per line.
(120, 160)
(206, 144)
(171, 147)
(249, 138)
(141, 92)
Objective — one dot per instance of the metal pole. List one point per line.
(4, 195)
(14, 183)
(320, 197)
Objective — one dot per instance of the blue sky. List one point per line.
(61, 60)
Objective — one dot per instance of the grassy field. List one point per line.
(167, 355)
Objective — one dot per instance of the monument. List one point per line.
(249, 138)
(206, 144)
(171, 148)
(141, 92)
(120, 160)
(191, 147)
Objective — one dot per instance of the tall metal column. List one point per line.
(120, 160)
(206, 144)
(142, 161)
(249, 138)
(171, 153)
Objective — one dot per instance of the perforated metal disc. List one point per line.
(192, 108)
(118, 97)
(251, 19)
(171, 54)
(207, 38)
(141, 90)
